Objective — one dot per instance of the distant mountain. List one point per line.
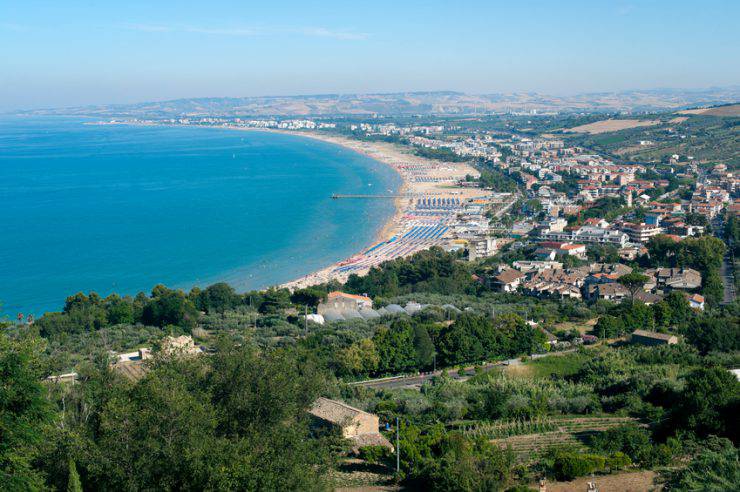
(412, 103)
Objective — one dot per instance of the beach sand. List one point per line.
(421, 177)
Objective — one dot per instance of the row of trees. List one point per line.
(165, 307)
(412, 343)
(430, 271)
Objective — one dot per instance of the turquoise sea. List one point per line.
(121, 208)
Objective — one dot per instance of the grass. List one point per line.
(559, 366)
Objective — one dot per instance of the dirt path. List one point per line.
(619, 482)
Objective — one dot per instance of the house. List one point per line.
(577, 250)
(508, 280)
(651, 338)
(340, 301)
(357, 425)
(536, 266)
(630, 253)
(648, 298)
(676, 278)
(607, 292)
(696, 301)
(596, 222)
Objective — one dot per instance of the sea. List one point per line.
(117, 208)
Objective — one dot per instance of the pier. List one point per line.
(336, 196)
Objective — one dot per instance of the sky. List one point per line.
(73, 52)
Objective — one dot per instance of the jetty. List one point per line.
(337, 196)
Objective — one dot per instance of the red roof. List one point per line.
(337, 293)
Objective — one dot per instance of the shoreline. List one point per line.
(413, 227)
(420, 177)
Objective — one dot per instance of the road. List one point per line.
(727, 269)
(416, 380)
(506, 208)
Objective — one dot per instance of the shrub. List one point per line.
(567, 464)
(375, 454)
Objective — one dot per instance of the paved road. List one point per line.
(727, 269)
(462, 374)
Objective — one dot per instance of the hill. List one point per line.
(413, 103)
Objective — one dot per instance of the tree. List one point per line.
(634, 282)
(661, 248)
(274, 301)
(715, 333)
(118, 310)
(708, 404)
(712, 288)
(217, 298)
(714, 468)
(609, 327)
(170, 307)
(423, 346)
(464, 340)
(233, 421)
(308, 297)
(395, 347)
(73, 481)
(24, 412)
(359, 358)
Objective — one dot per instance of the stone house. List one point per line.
(361, 427)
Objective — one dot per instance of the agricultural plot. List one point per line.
(528, 437)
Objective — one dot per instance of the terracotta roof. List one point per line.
(696, 298)
(508, 276)
(337, 293)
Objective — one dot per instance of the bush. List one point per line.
(375, 454)
(571, 464)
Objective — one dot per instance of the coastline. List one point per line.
(420, 177)
(413, 227)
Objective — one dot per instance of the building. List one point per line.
(641, 233)
(341, 301)
(182, 345)
(606, 292)
(357, 425)
(651, 338)
(482, 247)
(696, 301)
(507, 280)
(676, 278)
(536, 266)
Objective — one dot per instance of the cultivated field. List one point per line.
(611, 126)
(641, 481)
(566, 431)
(731, 110)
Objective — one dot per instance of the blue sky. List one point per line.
(61, 53)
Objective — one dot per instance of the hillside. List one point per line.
(707, 135)
(414, 103)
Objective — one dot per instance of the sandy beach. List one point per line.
(415, 225)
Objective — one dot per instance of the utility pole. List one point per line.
(398, 449)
